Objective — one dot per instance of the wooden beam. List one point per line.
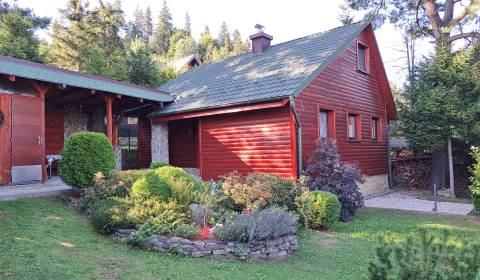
(228, 110)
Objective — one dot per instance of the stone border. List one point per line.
(267, 250)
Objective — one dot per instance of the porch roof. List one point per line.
(41, 72)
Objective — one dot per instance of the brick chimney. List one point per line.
(260, 40)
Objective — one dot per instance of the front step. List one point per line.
(53, 187)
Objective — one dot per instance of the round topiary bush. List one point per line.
(83, 155)
(183, 185)
(320, 209)
(109, 214)
(151, 185)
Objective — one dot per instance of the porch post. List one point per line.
(108, 108)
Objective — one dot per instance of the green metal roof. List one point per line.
(280, 71)
(45, 73)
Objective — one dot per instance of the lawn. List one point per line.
(44, 239)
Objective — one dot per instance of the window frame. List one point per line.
(357, 127)
(363, 46)
(378, 128)
(331, 121)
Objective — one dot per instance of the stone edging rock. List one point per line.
(268, 249)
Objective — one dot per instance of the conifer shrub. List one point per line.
(150, 185)
(326, 172)
(83, 155)
(109, 214)
(139, 210)
(155, 165)
(183, 186)
(426, 257)
(475, 179)
(319, 209)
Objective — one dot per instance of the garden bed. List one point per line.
(266, 249)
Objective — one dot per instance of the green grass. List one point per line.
(44, 239)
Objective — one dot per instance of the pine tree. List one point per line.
(224, 37)
(141, 68)
(135, 27)
(187, 26)
(161, 38)
(206, 46)
(69, 39)
(345, 14)
(238, 46)
(206, 30)
(17, 37)
(147, 24)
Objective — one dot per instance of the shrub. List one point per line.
(183, 186)
(326, 172)
(109, 214)
(150, 185)
(319, 209)
(475, 179)
(246, 192)
(83, 155)
(127, 177)
(200, 214)
(284, 192)
(430, 257)
(155, 165)
(185, 231)
(102, 188)
(139, 210)
(257, 225)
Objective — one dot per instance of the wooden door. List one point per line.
(27, 139)
(5, 139)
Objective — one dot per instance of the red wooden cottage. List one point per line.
(264, 110)
(41, 105)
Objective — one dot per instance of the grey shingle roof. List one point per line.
(45, 73)
(278, 72)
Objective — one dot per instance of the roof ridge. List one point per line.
(86, 75)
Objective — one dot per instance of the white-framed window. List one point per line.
(374, 128)
(324, 124)
(362, 58)
(354, 127)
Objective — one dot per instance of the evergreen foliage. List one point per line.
(475, 180)
(442, 100)
(83, 155)
(427, 257)
(160, 42)
(320, 210)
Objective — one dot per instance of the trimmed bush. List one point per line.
(183, 186)
(258, 225)
(319, 209)
(83, 155)
(103, 188)
(326, 172)
(109, 214)
(475, 179)
(247, 192)
(150, 185)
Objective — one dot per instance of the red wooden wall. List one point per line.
(258, 140)
(144, 142)
(54, 130)
(343, 89)
(182, 139)
(5, 144)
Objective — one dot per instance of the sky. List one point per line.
(284, 20)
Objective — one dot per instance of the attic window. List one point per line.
(362, 58)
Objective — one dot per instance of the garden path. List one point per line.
(53, 187)
(401, 201)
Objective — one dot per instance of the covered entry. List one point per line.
(40, 106)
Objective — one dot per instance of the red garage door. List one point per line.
(251, 141)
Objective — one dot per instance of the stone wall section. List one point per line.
(266, 249)
(160, 142)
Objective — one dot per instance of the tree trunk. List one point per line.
(450, 168)
(438, 168)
